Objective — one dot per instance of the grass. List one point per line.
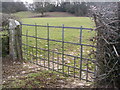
(70, 35)
(56, 34)
(5, 43)
(24, 14)
(58, 21)
(59, 14)
(28, 14)
(42, 79)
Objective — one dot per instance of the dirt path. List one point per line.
(26, 75)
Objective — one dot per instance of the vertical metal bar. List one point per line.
(63, 48)
(74, 66)
(68, 70)
(53, 60)
(48, 45)
(87, 72)
(58, 62)
(27, 44)
(40, 56)
(32, 54)
(36, 41)
(44, 58)
(95, 64)
(81, 49)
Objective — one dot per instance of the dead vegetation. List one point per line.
(106, 16)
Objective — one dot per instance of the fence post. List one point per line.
(81, 52)
(18, 36)
(48, 43)
(63, 48)
(15, 40)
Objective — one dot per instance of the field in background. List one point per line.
(59, 14)
(27, 14)
(70, 35)
(24, 14)
(67, 21)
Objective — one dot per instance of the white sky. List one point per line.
(29, 1)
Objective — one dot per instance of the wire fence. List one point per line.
(66, 50)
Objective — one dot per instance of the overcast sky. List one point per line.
(29, 1)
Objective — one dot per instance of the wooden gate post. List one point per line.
(15, 42)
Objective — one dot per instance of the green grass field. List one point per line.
(70, 35)
(58, 21)
(24, 14)
(28, 14)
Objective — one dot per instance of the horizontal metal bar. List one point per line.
(61, 64)
(52, 61)
(61, 53)
(57, 53)
(59, 27)
(34, 37)
(59, 41)
(88, 71)
(58, 71)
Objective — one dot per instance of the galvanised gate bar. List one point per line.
(67, 51)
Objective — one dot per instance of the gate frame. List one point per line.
(62, 41)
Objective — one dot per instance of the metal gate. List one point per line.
(67, 50)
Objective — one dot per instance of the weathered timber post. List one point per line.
(15, 42)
